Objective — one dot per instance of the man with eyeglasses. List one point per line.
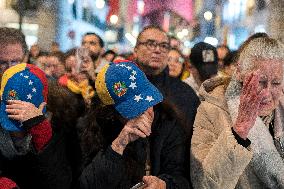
(151, 54)
(33, 157)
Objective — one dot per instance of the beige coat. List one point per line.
(218, 161)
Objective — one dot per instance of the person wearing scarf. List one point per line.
(239, 127)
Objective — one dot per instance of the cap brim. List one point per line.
(131, 108)
(7, 123)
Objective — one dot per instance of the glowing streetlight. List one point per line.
(113, 19)
(211, 40)
(100, 4)
(208, 15)
(180, 35)
(140, 6)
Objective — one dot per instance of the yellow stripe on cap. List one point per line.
(9, 73)
(101, 87)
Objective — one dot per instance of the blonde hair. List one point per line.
(263, 48)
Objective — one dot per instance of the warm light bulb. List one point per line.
(114, 19)
(208, 15)
(100, 4)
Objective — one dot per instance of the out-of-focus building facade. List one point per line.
(241, 18)
(62, 21)
(119, 22)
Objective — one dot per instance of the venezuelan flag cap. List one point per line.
(125, 86)
(23, 82)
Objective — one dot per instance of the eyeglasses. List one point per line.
(7, 64)
(151, 45)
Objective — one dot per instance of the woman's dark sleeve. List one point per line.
(106, 171)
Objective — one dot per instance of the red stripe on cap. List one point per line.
(41, 75)
(120, 61)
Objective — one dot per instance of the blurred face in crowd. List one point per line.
(53, 67)
(109, 57)
(70, 64)
(151, 51)
(10, 55)
(54, 47)
(175, 63)
(174, 43)
(222, 52)
(41, 61)
(270, 78)
(72, 69)
(34, 50)
(92, 43)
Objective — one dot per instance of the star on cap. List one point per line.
(34, 90)
(26, 76)
(29, 96)
(132, 85)
(30, 82)
(149, 98)
(134, 72)
(122, 65)
(137, 98)
(21, 74)
(128, 67)
(132, 77)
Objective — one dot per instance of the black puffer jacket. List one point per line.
(109, 170)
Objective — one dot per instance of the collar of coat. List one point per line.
(268, 153)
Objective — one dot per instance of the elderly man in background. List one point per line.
(151, 54)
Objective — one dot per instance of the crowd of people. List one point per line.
(90, 118)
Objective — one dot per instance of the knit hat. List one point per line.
(23, 82)
(203, 53)
(125, 86)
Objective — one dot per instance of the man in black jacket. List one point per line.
(151, 54)
(36, 157)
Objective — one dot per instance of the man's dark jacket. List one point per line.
(181, 95)
(185, 102)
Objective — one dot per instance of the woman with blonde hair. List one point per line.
(239, 127)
